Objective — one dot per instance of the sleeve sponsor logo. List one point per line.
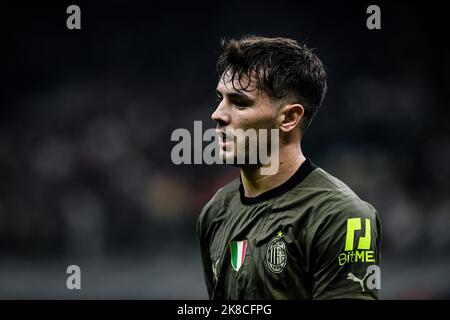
(362, 252)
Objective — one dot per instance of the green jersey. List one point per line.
(310, 238)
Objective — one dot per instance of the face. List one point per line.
(239, 109)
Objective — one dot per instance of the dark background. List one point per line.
(86, 118)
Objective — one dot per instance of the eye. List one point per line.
(242, 104)
(219, 99)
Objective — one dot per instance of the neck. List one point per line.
(291, 158)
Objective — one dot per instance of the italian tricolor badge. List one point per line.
(238, 250)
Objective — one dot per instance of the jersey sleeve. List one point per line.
(345, 252)
(202, 234)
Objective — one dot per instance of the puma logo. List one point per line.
(352, 277)
(373, 282)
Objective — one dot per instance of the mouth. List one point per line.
(224, 138)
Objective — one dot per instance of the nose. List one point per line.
(220, 115)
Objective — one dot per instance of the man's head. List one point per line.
(268, 83)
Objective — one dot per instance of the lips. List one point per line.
(224, 138)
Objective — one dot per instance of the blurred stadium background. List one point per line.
(86, 118)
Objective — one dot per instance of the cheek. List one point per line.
(255, 118)
(262, 120)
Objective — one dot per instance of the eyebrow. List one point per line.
(236, 95)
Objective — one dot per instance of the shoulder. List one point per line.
(336, 200)
(224, 195)
(217, 205)
(343, 239)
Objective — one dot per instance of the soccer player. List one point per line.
(299, 233)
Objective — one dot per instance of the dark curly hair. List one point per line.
(286, 70)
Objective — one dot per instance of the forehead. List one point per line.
(244, 85)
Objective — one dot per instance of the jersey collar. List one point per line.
(302, 172)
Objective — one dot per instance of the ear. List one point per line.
(290, 116)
